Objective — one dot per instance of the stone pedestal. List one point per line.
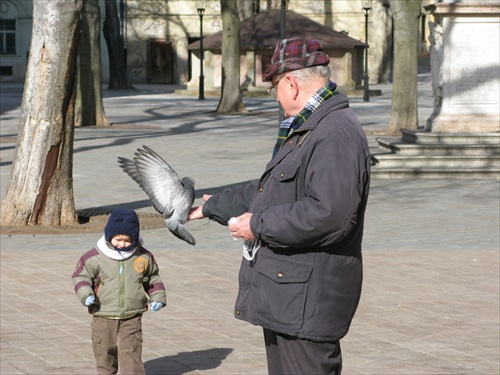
(465, 67)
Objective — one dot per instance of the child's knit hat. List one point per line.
(123, 221)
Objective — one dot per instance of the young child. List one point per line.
(116, 280)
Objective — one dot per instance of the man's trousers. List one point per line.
(287, 355)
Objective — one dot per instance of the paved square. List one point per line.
(430, 301)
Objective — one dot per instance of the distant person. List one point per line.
(116, 280)
(302, 221)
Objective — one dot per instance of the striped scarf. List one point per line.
(294, 122)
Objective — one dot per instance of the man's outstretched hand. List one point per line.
(196, 212)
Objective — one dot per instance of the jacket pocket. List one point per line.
(285, 171)
(283, 286)
(284, 183)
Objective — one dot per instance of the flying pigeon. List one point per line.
(171, 196)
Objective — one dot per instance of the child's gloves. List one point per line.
(90, 300)
(157, 306)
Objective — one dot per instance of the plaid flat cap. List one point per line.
(293, 54)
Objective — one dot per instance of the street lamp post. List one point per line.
(201, 11)
(281, 116)
(367, 7)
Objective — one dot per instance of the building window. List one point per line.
(5, 70)
(422, 28)
(7, 37)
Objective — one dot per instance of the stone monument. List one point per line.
(465, 63)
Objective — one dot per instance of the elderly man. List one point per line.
(302, 221)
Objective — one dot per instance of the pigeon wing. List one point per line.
(180, 213)
(129, 168)
(160, 182)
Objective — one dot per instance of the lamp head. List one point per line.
(367, 5)
(200, 5)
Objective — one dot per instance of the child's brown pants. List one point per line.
(117, 343)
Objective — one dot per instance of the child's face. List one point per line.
(121, 241)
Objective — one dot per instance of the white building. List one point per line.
(157, 34)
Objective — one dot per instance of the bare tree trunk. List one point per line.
(89, 107)
(118, 78)
(40, 186)
(404, 113)
(231, 100)
(248, 8)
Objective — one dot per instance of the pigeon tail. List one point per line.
(179, 231)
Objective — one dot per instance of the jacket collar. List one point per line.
(338, 102)
(107, 249)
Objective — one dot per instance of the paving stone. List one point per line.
(430, 302)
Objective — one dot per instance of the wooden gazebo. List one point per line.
(259, 36)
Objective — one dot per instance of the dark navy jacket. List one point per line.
(308, 211)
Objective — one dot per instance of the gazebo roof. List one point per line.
(262, 31)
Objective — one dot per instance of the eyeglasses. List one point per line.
(273, 90)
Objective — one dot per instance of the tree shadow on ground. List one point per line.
(185, 362)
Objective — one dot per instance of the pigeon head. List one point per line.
(187, 181)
